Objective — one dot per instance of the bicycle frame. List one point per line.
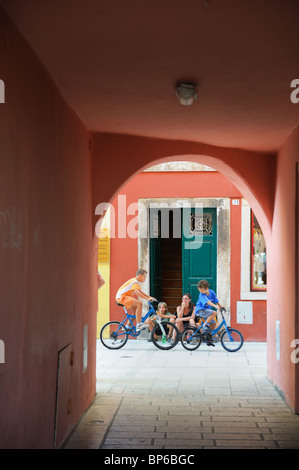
(215, 331)
(117, 333)
(127, 322)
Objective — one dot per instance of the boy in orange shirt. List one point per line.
(129, 289)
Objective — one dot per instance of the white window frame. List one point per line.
(246, 293)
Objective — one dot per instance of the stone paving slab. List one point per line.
(151, 399)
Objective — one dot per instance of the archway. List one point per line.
(225, 252)
(137, 154)
(117, 158)
(252, 173)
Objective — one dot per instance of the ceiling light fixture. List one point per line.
(186, 93)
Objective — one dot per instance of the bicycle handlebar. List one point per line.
(224, 310)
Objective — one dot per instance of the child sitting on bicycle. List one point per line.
(127, 293)
(163, 313)
(207, 298)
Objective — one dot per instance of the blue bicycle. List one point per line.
(231, 339)
(115, 334)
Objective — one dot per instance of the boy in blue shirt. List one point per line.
(207, 298)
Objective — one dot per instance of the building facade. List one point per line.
(185, 222)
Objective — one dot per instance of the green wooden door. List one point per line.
(155, 254)
(199, 230)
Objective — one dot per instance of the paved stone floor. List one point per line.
(205, 399)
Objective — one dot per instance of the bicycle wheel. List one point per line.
(231, 340)
(189, 340)
(165, 335)
(113, 335)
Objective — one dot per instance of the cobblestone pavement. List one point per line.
(205, 399)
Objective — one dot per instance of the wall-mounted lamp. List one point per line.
(186, 93)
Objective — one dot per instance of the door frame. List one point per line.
(223, 238)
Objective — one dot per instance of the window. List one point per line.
(258, 257)
(201, 224)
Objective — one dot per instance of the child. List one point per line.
(163, 313)
(207, 298)
(126, 296)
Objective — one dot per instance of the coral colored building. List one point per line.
(86, 110)
(228, 255)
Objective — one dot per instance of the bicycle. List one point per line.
(230, 338)
(115, 334)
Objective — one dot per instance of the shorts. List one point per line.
(205, 313)
(126, 301)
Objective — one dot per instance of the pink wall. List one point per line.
(181, 185)
(48, 257)
(283, 288)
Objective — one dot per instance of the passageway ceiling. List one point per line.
(117, 62)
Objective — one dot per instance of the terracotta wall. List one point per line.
(48, 255)
(283, 286)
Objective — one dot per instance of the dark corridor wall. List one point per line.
(48, 255)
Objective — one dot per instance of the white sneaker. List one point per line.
(141, 326)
